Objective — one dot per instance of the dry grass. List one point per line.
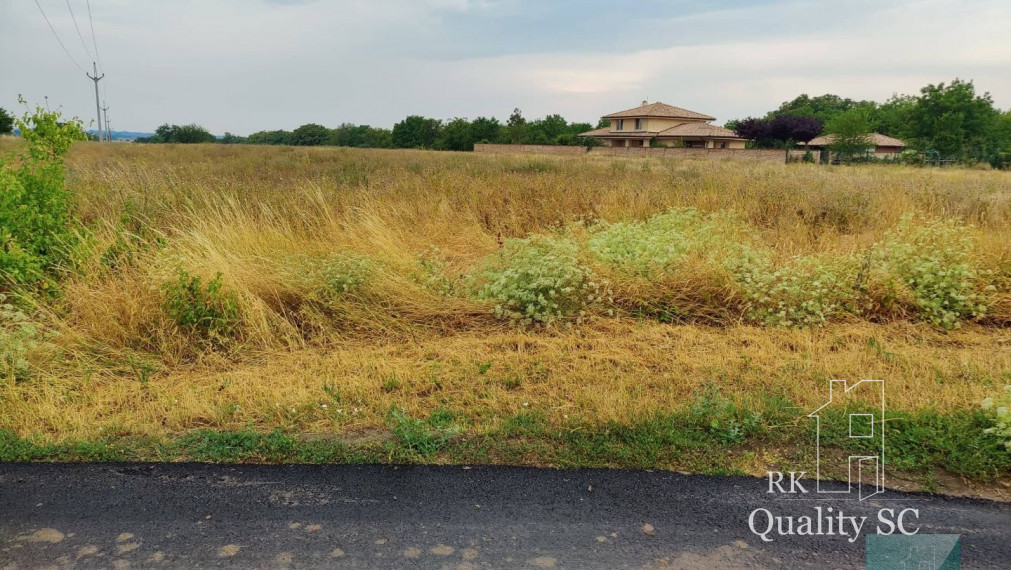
(257, 214)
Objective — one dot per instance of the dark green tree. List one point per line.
(309, 134)
(488, 130)
(416, 132)
(457, 134)
(517, 127)
(6, 122)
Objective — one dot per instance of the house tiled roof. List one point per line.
(696, 129)
(661, 110)
(877, 139)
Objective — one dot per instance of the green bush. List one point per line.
(204, 311)
(645, 248)
(338, 274)
(933, 264)
(1001, 410)
(806, 291)
(538, 280)
(35, 231)
(18, 336)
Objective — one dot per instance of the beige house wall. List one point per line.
(653, 124)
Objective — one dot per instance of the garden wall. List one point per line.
(764, 155)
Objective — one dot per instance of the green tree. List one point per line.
(180, 134)
(416, 132)
(309, 134)
(6, 122)
(824, 107)
(954, 120)
(269, 137)
(488, 130)
(35, 220)
(517, 127)
(850, 131)
(457, 134)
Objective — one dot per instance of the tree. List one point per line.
(229, 138)
(953, 120)
(416, 132)
(269, 137)
(517, 126)
(824, 107)
(309, 134)
(850, 132)
(754, 129)
(796, 128)
(487, 130)
(184, 134)
(457, 134)
(6, 122)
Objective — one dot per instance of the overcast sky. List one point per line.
(249, 65)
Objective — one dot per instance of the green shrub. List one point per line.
(18, 336)
(35, 232)
(933, 263)
(538, 280)
(337, 274)
(204, 311)
(1001, 410)
(804, 292)
(645, 248)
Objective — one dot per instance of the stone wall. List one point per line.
(556, 150)
(764, 155)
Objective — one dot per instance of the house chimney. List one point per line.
(645, 102)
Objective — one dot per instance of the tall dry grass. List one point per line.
(260, 216)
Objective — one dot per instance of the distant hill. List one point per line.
(123, 135)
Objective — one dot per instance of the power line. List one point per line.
(79, 34)
(93, 40)
(57, 36)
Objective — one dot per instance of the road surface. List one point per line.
(233, 516)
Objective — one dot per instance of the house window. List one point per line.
(621, 124)
(638, 124)
(723, 145)
(861, 425)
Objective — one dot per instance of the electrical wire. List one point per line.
(94, 42)
(57, 36)
(79, 34)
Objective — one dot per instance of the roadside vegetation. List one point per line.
(236, 303)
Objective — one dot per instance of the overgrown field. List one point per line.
(407, 305)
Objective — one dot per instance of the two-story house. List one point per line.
(664, 125)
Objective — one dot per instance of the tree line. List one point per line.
(947, 120)
(414, 131)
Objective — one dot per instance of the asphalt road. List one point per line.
(196, 515)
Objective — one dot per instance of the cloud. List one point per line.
(245, 65)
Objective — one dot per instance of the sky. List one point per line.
(247, 65)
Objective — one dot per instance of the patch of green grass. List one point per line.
(712, 436)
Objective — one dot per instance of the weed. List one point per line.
(18, 337)
(204, 311)
(1000, 408)
(417, 436)
(538, 280)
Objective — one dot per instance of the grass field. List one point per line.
(309, 304)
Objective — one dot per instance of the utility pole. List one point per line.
(98, 108)
(105, 115)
